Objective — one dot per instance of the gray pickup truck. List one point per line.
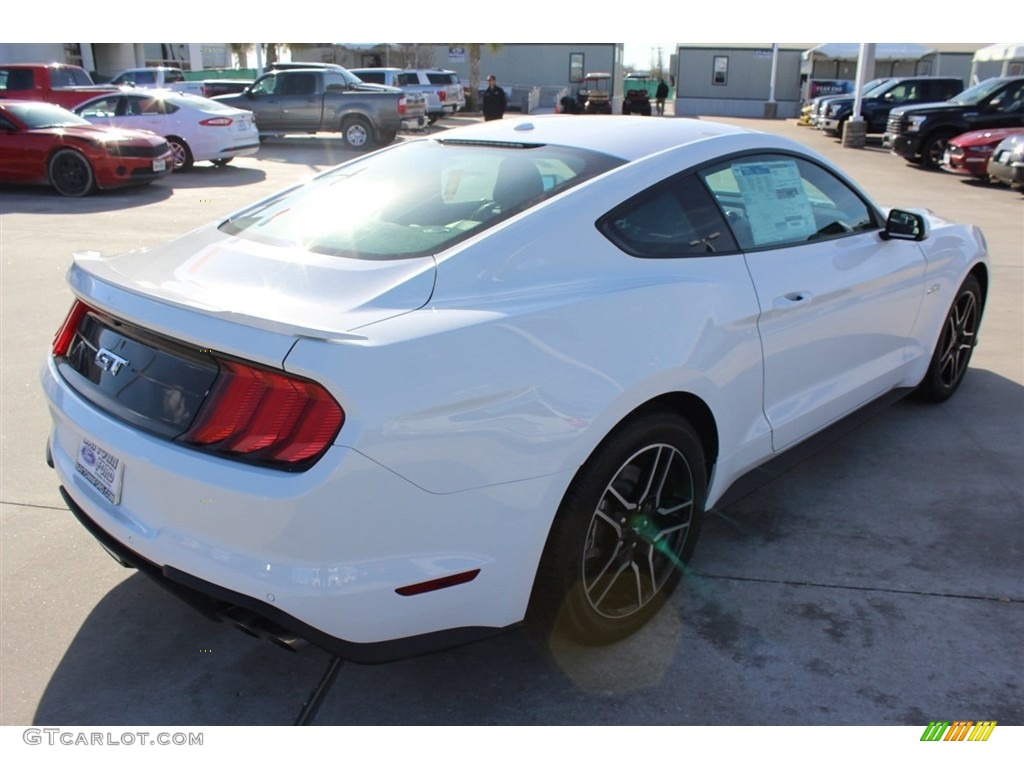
(312, 100)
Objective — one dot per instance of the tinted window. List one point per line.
(676, 219)
(442, 78)
(62, 77)
(772, 200)
(298, 83)
(371, 77)
(16, 79)
(416, 198)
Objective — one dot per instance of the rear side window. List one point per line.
(943, 90)
(371, 77)
(16, 79)
(672, 220)
(442, 78)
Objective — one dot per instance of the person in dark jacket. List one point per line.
(660, 95)
(495, 100)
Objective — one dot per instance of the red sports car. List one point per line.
(42, 143)
(969, 152)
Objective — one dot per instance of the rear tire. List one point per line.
(357, 133)
(623, 533)
(956, 343)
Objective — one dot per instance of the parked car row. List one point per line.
(124, 137)
(100, 137)
(42, 143)
(935, 123)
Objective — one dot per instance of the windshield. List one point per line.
(416, 199)
(878, 89)
(42, 115)
(875, 87)
(979, 92)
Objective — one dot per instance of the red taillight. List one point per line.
(401, 105)
(66, 332)
(442, 95)
(216, 121)
(266, 415)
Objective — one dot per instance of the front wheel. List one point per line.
(70, 173)
(623, 533)
(956, 343)
(181, 153)
(357, 133)
(934, 148)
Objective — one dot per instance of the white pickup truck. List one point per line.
(158, 77)
(441, 87)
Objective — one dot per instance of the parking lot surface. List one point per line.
(879, 582)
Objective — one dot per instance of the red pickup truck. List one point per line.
(63, 84)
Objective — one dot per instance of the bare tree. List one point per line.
(414, 55)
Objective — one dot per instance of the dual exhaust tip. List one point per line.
(264, 629)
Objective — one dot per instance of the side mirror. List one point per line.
(905, 225)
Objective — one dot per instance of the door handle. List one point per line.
(792, 300)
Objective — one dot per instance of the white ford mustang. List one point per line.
(493, 375)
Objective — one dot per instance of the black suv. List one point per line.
(876, 104)
(919, 133)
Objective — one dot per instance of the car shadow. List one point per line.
(44, 199)
(828, 596)
(206, 175)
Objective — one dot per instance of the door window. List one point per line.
(776, 200)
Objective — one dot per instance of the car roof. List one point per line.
(627, 137)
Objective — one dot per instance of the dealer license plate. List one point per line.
(159, 165)
(103, 470)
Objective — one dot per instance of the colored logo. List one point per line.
(88, 455)
(961, 730)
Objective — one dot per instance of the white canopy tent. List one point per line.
(1010, 54)
(883, 52)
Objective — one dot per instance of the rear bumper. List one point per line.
(415, 123)
(257, 618)
(322, 554)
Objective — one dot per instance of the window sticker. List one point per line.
(777, 206)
